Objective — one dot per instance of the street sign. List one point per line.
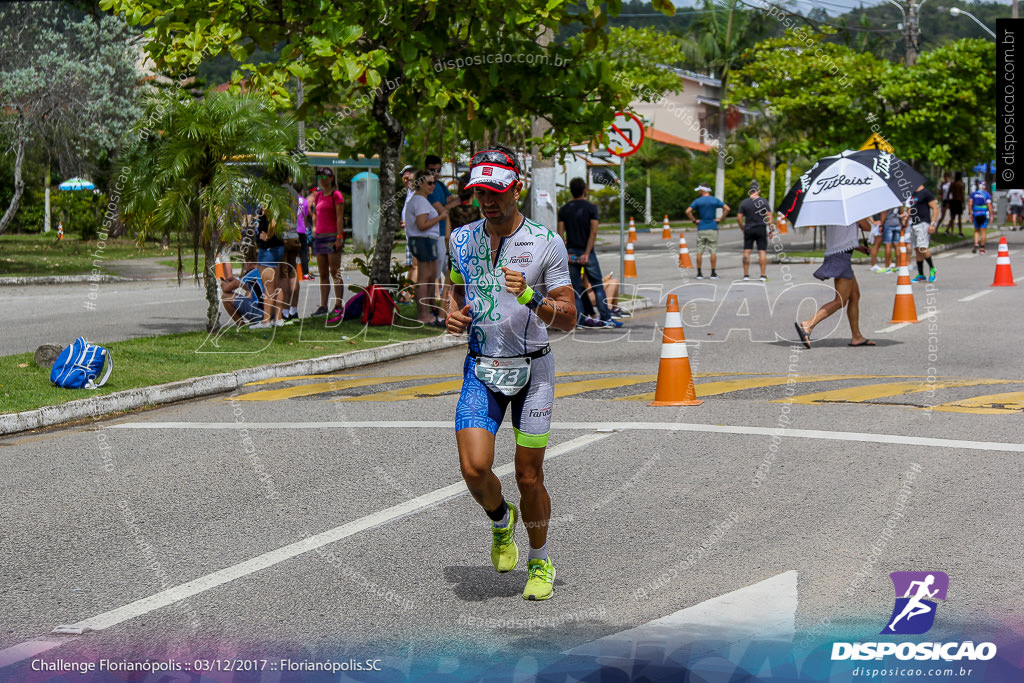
(331, 159)
(876, 141)
(626, 134)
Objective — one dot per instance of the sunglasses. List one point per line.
(435, 170)
(493, 156)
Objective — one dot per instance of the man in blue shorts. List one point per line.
(981, 208)
(510, 282)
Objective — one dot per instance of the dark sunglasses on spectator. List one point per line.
(493, 156)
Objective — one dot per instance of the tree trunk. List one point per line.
(389, 151)
(19, 188)
(210, 282)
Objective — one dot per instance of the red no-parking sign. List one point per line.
(626, 134)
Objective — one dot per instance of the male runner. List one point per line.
(510, 282)
(981, 208)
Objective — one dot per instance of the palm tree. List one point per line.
(725, 31)
(184, 175)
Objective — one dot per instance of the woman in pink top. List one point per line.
(328, 238)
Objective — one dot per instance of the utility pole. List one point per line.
(1014, 14)
(911, 32)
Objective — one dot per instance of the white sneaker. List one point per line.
(262, 326)
(279, 322)
(877, 269)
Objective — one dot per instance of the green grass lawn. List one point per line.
(26, 255)
(156, 360)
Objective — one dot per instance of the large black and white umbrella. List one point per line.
(842, 189)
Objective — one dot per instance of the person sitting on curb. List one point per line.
(243, 298)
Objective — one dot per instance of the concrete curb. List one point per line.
(196, 387)
(937, 249)
(63, 280)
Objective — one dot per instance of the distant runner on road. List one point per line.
(510, 282)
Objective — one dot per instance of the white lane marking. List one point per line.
(763, 611)
(900, 326)
(167, 597)
(1018, 279)
(945, 254)
(618, 426)
(966, 255)
(976, 295)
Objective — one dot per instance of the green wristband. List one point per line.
(526, 295)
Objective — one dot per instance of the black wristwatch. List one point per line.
(534, 303)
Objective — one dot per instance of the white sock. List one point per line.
(293, 310)
(540, 553)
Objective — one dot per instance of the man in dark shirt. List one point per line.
(923, 214)
(755, 217)
(577, 225)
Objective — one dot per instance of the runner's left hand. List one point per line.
(515, 282)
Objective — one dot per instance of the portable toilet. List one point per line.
(365, 209)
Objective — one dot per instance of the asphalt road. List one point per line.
(871, 460)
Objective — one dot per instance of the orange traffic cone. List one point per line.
(903, 309)
(1004, 274)
(675, 381)
(218, 268)
(632, 231)
(629, 263)
(298, 271)
(684, 253)
(666, 230)
(783, 229)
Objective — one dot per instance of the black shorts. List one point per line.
(758, 234)
(956, 207)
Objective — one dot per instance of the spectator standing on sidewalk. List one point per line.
(441, 199)
(1015, 201)
(957, 193)
(303, 217)
(421, 229)
(577, 225)
(755, 218)
(921, 224)
(328, 239)
(707, 208)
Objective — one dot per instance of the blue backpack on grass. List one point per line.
(80, 364)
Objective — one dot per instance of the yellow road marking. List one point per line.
(573, 388)
(993, 404)
(727, 386)
(277, 380)
(874, 391)
(325, 387)
(409, 393)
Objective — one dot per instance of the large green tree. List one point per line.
(826, 97)
(191, 171)
(67, 88)
(386, 65)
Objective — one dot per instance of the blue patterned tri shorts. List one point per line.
(481, 407)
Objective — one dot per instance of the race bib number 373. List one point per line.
(507, 375)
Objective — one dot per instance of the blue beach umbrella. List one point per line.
(76, 184)
(981, 168)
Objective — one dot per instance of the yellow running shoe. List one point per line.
(541, 583)
(504, 551)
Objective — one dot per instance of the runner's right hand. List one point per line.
(459, 320)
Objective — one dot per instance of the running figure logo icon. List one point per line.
(913, 613)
